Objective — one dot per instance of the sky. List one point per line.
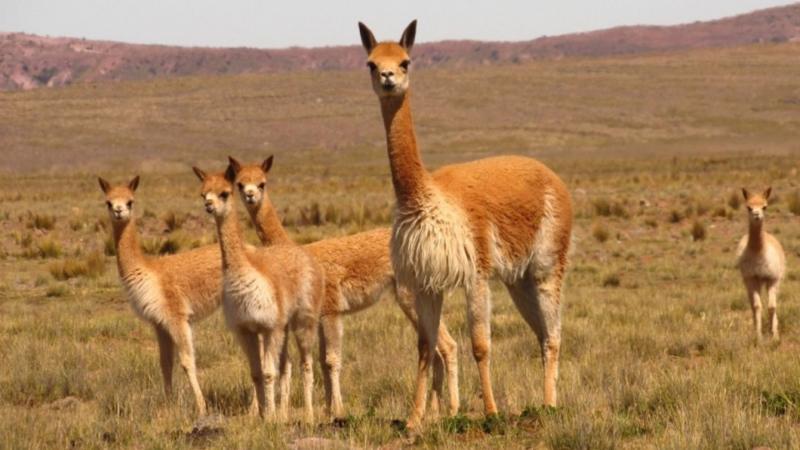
(277, 24)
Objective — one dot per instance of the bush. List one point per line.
(174, 221)
(92, 266)
(161, 246)
(675, 216)
(612, 280)
(793, 203)
(735, 200)
(44, 249)
(600, 233)
(698, 231)
(40, 221)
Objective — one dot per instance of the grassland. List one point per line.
(657, 349)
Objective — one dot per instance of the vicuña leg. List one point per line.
(540, 306)
(479, 313)
(331, 332)
(258, 371)
(285, 379)
(304, 335)
(182, 337)
(772, 307)
(754, 294)
(445, 359)
(166, 353)
(428, 307)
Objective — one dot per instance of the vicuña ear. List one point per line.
(134, 183)
(230, 174)
(200, 174)
(745, 194)
(767, 193)
(367, 38)
(234, 164)
(407, 39)
(267, 164)
(104, 185)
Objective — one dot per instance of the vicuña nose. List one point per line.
(209, 203)
(387, 73)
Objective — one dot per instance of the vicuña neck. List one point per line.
(755, 238)
(408, 172)
(230, 239)
(126, 244)
(268, 225)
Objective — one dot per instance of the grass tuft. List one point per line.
(92, 266)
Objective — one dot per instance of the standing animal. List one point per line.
(456, 227)
(358, 272)
(266, 292)
(761, 261)
(171, 292)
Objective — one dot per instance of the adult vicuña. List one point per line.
(170, 292)
(358, 272)
(457, 226)
(761, 261)
(266, 292)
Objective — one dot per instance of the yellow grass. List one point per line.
(658, 349)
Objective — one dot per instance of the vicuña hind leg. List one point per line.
(304, 335)
(772, 307)
(540, 306)
(182, 337)
(428, 307)
(479, 314)
(754, 295)
(330, 342)
(285, 379)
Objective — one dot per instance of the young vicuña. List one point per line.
(761, 261)
(266, 293)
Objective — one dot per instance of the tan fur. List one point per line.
(266, 292)
(358, 271)
(459, 225)
(171, 292)
(761, 261)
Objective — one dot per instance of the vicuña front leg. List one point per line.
(772, 307)
(166, 353)
(754, 295)
(428, 307)
(479, 313)
(252, 350)
(182, 336)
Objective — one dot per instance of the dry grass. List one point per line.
(657, 346)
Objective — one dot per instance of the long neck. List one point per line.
(230, 239)
(268, 225)
(755, 238)
(408, 173)
(126, 244)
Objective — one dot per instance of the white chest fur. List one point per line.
(249, 300)
(433, 247)
(144, 294)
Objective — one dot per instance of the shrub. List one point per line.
(793, 203)
(161, 246)
(611, 280)
(91, 266)
(735, 200)
(109, 248)
(174, 221)
(698, 231)
(600, 233)
(40, 221)
(675, 216)
(44, 249)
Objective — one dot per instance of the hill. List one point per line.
(29, 61)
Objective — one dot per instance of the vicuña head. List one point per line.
(216, 191)
(756, 204)
(119, 199)
(251, 180)
(389, 62)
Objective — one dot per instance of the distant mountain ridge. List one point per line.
(30, 61)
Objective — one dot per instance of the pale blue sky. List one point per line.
(272, 24)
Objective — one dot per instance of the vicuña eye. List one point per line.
(405, 64)
(261, 186)
(224, 195)
(372, 66)
(241, 186)
(108, 204)
(130, 204)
